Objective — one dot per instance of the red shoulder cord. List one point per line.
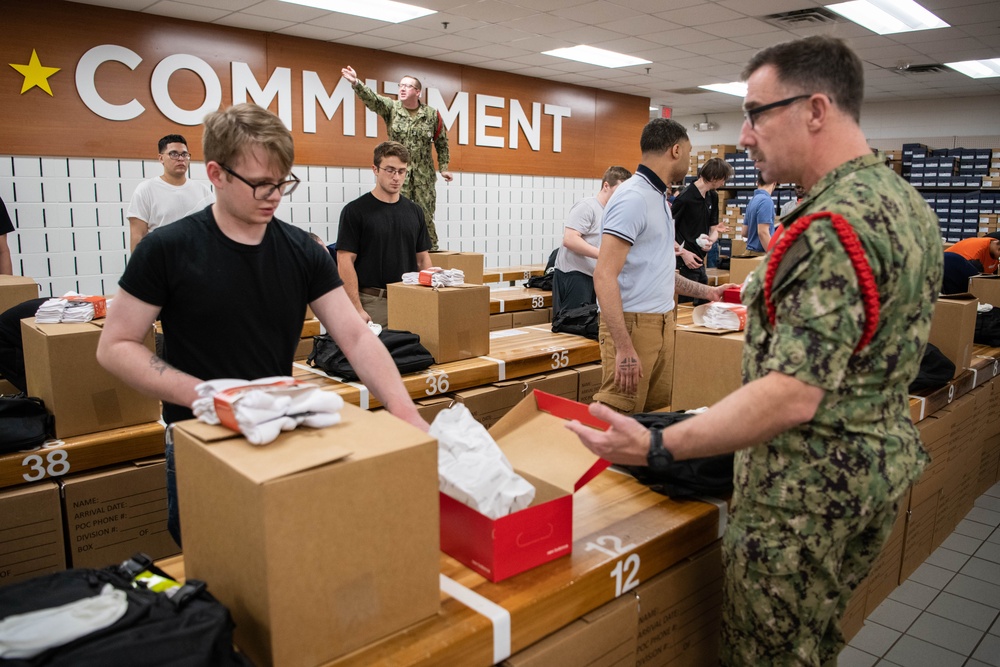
(849, 239)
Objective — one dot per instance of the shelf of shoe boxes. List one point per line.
(96, 493)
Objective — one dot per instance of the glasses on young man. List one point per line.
(392, 171)
(264, 190)
(751, 114)
(175, 155)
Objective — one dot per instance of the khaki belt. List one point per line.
(372, 291)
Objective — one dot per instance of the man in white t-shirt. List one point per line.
(573, 280)
(164, 199)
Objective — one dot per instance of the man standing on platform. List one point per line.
(819, 477)
(759, 216)
(417, 126)
(168, 197)
(573, 278)
(382, 236)
(696, 214)
(634, 278)
(237, 307)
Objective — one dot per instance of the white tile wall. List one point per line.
(72, 234)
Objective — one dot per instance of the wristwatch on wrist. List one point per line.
(659, 457)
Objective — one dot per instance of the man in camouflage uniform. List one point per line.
(818, 479)
(417, 126)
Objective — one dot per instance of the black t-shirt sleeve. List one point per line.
(424, 239)
(6, 224)
(349, 231)
(145, 275)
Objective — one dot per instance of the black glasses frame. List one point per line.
(751, 114)
(285, 187)
(393, 172)
(177, 155)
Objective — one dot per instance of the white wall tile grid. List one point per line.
(72, 233)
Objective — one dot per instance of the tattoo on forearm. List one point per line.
(692, 288)
(159, 365)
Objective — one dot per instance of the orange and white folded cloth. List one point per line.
(71, 307)
(721, 315)
(262, 409)
(435, 277)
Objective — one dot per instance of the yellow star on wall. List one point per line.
(35, 74)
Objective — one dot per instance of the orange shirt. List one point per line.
(976, 249)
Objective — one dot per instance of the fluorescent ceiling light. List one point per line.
(654, 108)
(977, 69)
(380, 10)
(888, 17)
(594, 56)
(737, 88)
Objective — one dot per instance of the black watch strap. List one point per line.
(659, 458)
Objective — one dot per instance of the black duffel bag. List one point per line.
(24, 423)
(404, 348)
(187, 628)
(583, 321)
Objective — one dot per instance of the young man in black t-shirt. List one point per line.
(230, 285)
(382, 236)
(696, 213)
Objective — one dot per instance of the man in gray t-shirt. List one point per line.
(573, 280)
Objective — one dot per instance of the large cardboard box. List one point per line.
(953, 327)
(15, 290)
(31, 525)
(854, 615)
(741, 267)
(935, 434)
(60, 363)
(919, 535)
(490, 403)
(986, 289)
(603, 638)
(114, 513)
(319, 543)
(884, 575)
(500, 321)
(590, 376)
(471, 263)
(527, 318)
(430, 407)
(707, 367)
(680, 612)
(561, 383)
(535, 440)
(453, 322)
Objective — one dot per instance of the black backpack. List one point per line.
(24, 423)
(188, 629)
(936, 370)
(404, 347)
(704, 476)
(988, 328)
(582, 321)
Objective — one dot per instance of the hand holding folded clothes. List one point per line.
(262, 409)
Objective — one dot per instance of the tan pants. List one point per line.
(377, 308)
(652, 336)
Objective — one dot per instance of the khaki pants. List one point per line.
(377, 308)
(652, 336)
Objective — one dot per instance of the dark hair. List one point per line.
(615, 175)
(760, 179)
(170, 139)
(420, 86)
(660, 134)
(391, 149)
(715, 169)
(817, 64)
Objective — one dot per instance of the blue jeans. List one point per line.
(712, 258)
(173, 510)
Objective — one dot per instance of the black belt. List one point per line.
(372, 291)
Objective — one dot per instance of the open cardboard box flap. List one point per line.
(534, 437)
(293, 451)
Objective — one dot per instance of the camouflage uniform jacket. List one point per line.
(860, 450)
(416, 132)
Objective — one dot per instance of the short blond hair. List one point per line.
(233, 131)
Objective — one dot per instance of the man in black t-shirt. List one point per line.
(696, 214)
(382, 236)
(237, 307)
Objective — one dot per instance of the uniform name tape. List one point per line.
(499, 617)
(723, 511)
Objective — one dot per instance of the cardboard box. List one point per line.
(471, 263)
(680, 612)
(603, 638)
(60, 363)
(490, 403)
(114, 513)
(590, 376)
(560, 383)
(854, 615)
(527, 318)
(953, 326)
(707, 367)
(919, 535)
(540, 448)
(741, 267)
(935, 434)
(986, 289)
(31, 525)
(319, 543)
(884, 575)
(452, 322)
(429, 407)
(15, 290)
(501, 321)
(303, 349)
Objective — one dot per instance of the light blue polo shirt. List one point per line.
(639, 214)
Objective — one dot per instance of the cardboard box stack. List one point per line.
(884, 575)
(707, 367)
(32, 528)
(453, 322)
(935, 433)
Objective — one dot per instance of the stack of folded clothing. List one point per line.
(71, 307)
(720, 315)
(435, 277)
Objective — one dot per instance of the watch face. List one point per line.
(658, 462)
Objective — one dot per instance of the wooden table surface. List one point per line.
(512, 299)
(511, 273)
(623, 534)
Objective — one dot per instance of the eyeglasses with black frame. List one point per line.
(264, 189)
(751, 114)
(393, 171)
(175, 155)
